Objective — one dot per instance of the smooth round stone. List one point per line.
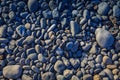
(103, 8)
(104, 38)
(74, 78)
(107, 60)
(48, 76)
(59, 66)
(115, 57)
(69, 45)
(59, 51)
(32, 5)
(12, 71)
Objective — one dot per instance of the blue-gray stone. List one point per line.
(69, 45)
(75, 63)
(104, 38)
(103, 8)
(55, 13)
(116, 11)
(74, 28)
(41, 58)
(48, 76)
(47, 14)
(32, 56)
(21, 30)
(32, 5)
(86, 14)
(35, 69)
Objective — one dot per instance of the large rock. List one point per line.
(12, 71)
(32, 5)
(104, 38)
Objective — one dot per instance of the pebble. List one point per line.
(12, 71)
(59, 51)
(41, 58)
(35, 69)
(47, 14)
(86, 47)
(37, 48)
(3, 40)
(115, 57)
(2, 31)
(32, 56)
(32, 5)
(107, 60)
(75, 63)
(104, 38)
(87, 77)
(96, 77)
(109, 73)
(21, 30)
(116, 11)
(28, 40)
(103, 8)
(86, 14)
(59, 66)
(68, 73)
(69, 45)
(48, 76)
(98, 58)
(74, 78)
(74, 28)
(111, 66)
(60, 77)
(26, 77)
(52, 27)
(55, 13)
(117, 45)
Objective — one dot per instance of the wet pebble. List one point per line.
(32, 5)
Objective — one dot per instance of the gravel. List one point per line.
(59, 39)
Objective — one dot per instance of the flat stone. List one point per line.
(35, 69)
(32, 5)
(74, 27)
(96, 77)
(74, 78)
(60, 77)
(12, 71)
(3, 40)
(103, 8)
(32, 56)
(104, 38)
(87, 77)
(41, 58)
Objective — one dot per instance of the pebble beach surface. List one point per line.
(59, 39)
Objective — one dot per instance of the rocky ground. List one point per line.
(59, 39)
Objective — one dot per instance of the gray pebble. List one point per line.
(103, 8)
(2, 31)
(107, 60)
(32, 5)
(48, 76)
(109, 73)
(75, 63)
(26, 77)
(59, 66)
(35, 69)
(116, 11)
(3, 40)
(28, 40)
(68, 73)
(32, 56)
(12, 71)
(104, 38)
(74, 78)
(60, 77)
(98, 58)
(41, 58)
(74, 27)
(87, 77)
(21, 30)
